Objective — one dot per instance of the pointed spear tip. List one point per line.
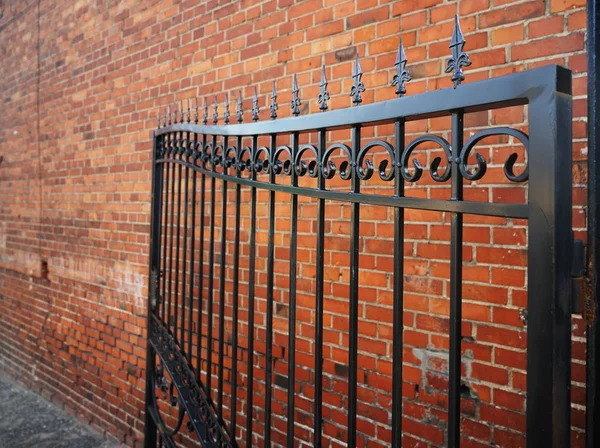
(294, 82)
(457, 35)
(323, 77)
(401, 55)
(357, 67)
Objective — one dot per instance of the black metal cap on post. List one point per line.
(402, 75)
(273, 107)
(295, 104)
(255, 106)
(240, 112)
(215, 111)
(358, 86)
(459, 58)
(226, 111)
(323, 94)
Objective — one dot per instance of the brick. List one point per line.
(508, 35)
(548, 47)
(511, 14)
(563, 5)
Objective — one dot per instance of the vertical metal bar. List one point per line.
(292, 301)
(201, 263)
(318, 402)
(251, 280)
(236, 276)
(456, 243)
(172, 232)
(592, 414)
(353, 314)
(398, 329)
(166, 228)
(150, 429)
(211, 259)
(185, 157)
(177, 251)
(193, 254)
(222, 280)
(549, 277)
(270, 284)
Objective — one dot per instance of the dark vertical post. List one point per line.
(353, 324)
(318, 401)
(150, 430)
(173, 152)
(201, 261)
(292, 300)
(592, 420)
(186, 155)
(211, 259)
(251, 280)
(549, 275)
(194, 156)
(456, 243)
(236, 276)
(177, 250)
(166, 229)
(270, 283)
(222, 278)
(398, 329)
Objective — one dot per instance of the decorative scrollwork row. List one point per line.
(203, 417)
(309, 160)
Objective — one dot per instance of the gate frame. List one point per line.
(547, 91)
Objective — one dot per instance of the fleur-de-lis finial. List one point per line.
(175, 113)
(205, 116)
(358, 86)
(189, 111)
(216, 112)
(226, 113)
(240, 112)
(273, 107)
(295, 104)
(165, 119)
(255, 106)
(181, 117)
(323, 94)
(196, 111)
(169, 113)
(459, 59)
(402, 75)
(158, 119)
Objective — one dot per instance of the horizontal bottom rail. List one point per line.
(191, 394)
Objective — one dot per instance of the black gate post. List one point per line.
(150, 430)
(549, 266)
(590, 309)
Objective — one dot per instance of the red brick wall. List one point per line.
(81, 84)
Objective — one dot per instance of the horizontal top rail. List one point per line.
(504, 91)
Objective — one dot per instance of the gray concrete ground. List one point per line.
(28, 420)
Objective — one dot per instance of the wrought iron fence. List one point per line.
(209, 160)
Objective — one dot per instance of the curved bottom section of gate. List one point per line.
(191, 394)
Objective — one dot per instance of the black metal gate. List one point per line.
(195, 160)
